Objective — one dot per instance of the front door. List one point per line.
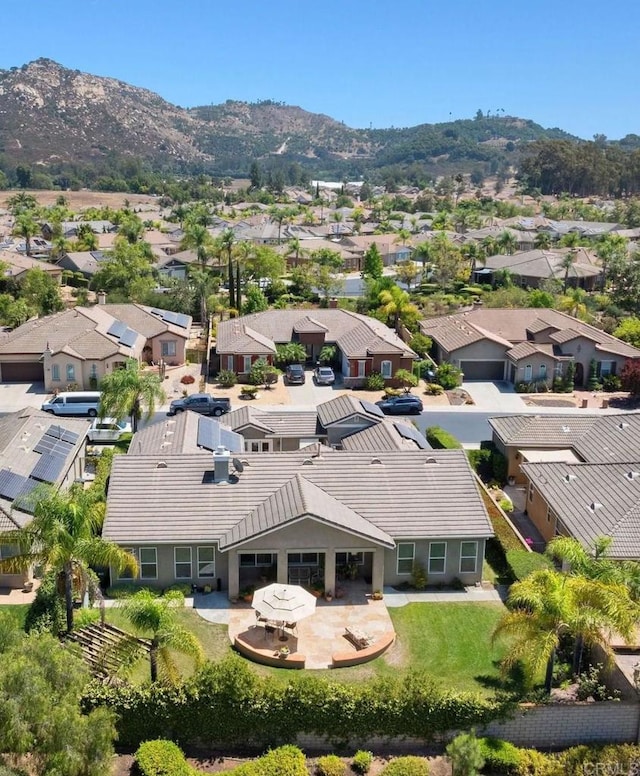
(578, 378)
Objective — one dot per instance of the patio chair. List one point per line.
(269, 630)
(292, 626)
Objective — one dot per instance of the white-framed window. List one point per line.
(148, 563)
(468, 557)
(343, 558)
(437, 557)
(55, 372)
(182, 562)
(606, 368)
(528, 370)
(125, 574)
(542, 372)
(257, 445)
(249, 559)
(168, 348)
(230, 363)
(302, 559)
(406, 556)
(246, 364)
(206, 562)
(385, 369)
(557, 369)
(362, 368)
(71, 372)
(94, 372)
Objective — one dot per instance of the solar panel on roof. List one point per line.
(11, 484)
(169, 317)
(182, 320)
(48, 467)
(129, 338)
(409, 432)
(208, 433)
(117, 328)
(45, 445)
(54, 431)
(372, 409)
(70, 437)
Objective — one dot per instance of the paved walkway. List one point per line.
(395, 598)
(497, 397)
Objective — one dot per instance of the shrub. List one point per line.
(362, 761)
(127, 589)
(187, 379)
(83, 617)
(427, 370)
(480, 461)
(392, 392)
(249, 391)
(227, 378)
(440, 439)
(407, 766)
(590, 685)
(162, 758)
(178, 587)
(501, 758)
(448, 376)
(506, 505)
(330, 765)
(465, 755)
(284, 761)
(47, 612)
(611, 383)
(614, 758)
(421, 344)
(418, 576)
(375, 382)
(433, 389)
(523, 563)
(406, 379)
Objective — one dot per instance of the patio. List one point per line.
(320, 636)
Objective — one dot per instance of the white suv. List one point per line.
(107, 430)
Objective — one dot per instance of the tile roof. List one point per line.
(182, 434)
(345, 406)
(274, 423)
(593, 500)
(403, 494)
(387, 435)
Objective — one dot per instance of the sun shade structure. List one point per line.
(283, 603)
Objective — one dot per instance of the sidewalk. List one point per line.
(395, 598)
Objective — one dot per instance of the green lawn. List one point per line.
(17, 611)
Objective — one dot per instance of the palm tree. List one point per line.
(86, 239)
(547, 605)
(422, 253)
(396, 305)
(227, 240)
(197, 238)
(507, 242)
(26, 227)
(157, 616)
(126, 391)
(201, 281)
(64, 536)
(566, 264)
(403, 236)
(542, 240)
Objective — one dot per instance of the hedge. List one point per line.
(162, 758)
(285, 761)
(501, 758)
(407, 766)
(440, 439)
(227, 703)
(523, 562)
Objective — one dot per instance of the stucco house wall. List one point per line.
(423, 547)
(538, 511)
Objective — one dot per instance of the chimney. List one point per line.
(221, 461)
(102, 297)
(333, 303)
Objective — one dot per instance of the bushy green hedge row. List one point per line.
(440, 439)
(285, 761)
(162, 758)
(227, 703)
(407, 766)
(523, 562)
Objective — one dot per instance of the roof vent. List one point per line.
(622, 425)
(570, 477)
(161, 465)
(633, 475)
(307, 462)
(376, 461)
(431, 460)
(595, 505)
(566, 429)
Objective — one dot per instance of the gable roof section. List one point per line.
(593, 500)
(186, 432)
(346, 406)
(387, 435)
(274, 423)
(299, 498)
(309, 325)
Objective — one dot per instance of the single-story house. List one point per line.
(524, 240)
(391, 251)
(530, 268)
(208, 520)
(85, 262)
(35, 450)
(186, 432)
(81, 345)
(365, 345)
(17, 264)
(70, 228)
(527, 345)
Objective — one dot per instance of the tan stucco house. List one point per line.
(199, 518)
(524, 345)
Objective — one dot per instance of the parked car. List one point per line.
(107, 430)
(324, 375)
(406, 404)
(203, 403)
(294, 374)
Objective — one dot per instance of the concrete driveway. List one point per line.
(311, 394)
(498, 397)
(16, 396)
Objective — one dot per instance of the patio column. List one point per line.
(233, 575)
(377, 571)
(330, 570)
(283, 570)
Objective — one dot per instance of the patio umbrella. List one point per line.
(285, 603)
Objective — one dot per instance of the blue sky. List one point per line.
(380, 63)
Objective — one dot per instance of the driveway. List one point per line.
(17, 396)
(310, 394)
(498, 397)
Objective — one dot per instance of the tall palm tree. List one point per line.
(157, 616)
(126, 391)
(542, 240)
(197, 238)
(507, 242)
(396, 305)
(26, 227)
(86, 238)
(566, 264)
(548, 605)
(64, 536)
(422, 253)
(227, 240)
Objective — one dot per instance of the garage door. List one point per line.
(482, 370)
(25, 372)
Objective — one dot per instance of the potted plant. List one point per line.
(284, 652)
(317, 589)
(247, 594)
(328, 595)
(377, 595)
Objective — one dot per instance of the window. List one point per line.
(148, 563)
(206, 562)
(182, 562)
(527, 373)
(542, 372)
(303, 558)
(557, 369)
(256, 559)
(257, 445)
(406, 555)
(468, 557)
(127, 574)
(71, 372)
(55, 372)
(605, 368)
(230, 363)
(385, 369)
(437, 557)
(168, 348)
(246, 364)
(362, 368)
(344, 558)
(94, 372)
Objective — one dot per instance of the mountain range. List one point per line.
(51, 116)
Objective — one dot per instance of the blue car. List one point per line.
(406, 404)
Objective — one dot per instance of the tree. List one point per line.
(255, 175)
(291, 353)
(126, 272)
(629, 331)
(157, 616)
(407, 272)
(41, 292)
(372, 265)
(465, 755)
(396, 305)
(202, 283)
(630, 376)
(421, 344)
(256, 301)
(422, 253)
(126, 391)
(63, 536)
(131, 228)
(507, 242)
(21, 202)
(574, 303)
(328, 354)
(566, 264)
(197, 238)
(26, 227)
(542, 241)
(227, 240)
(86, 238)
(406, 379)
(325, 281)
(548, 605)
